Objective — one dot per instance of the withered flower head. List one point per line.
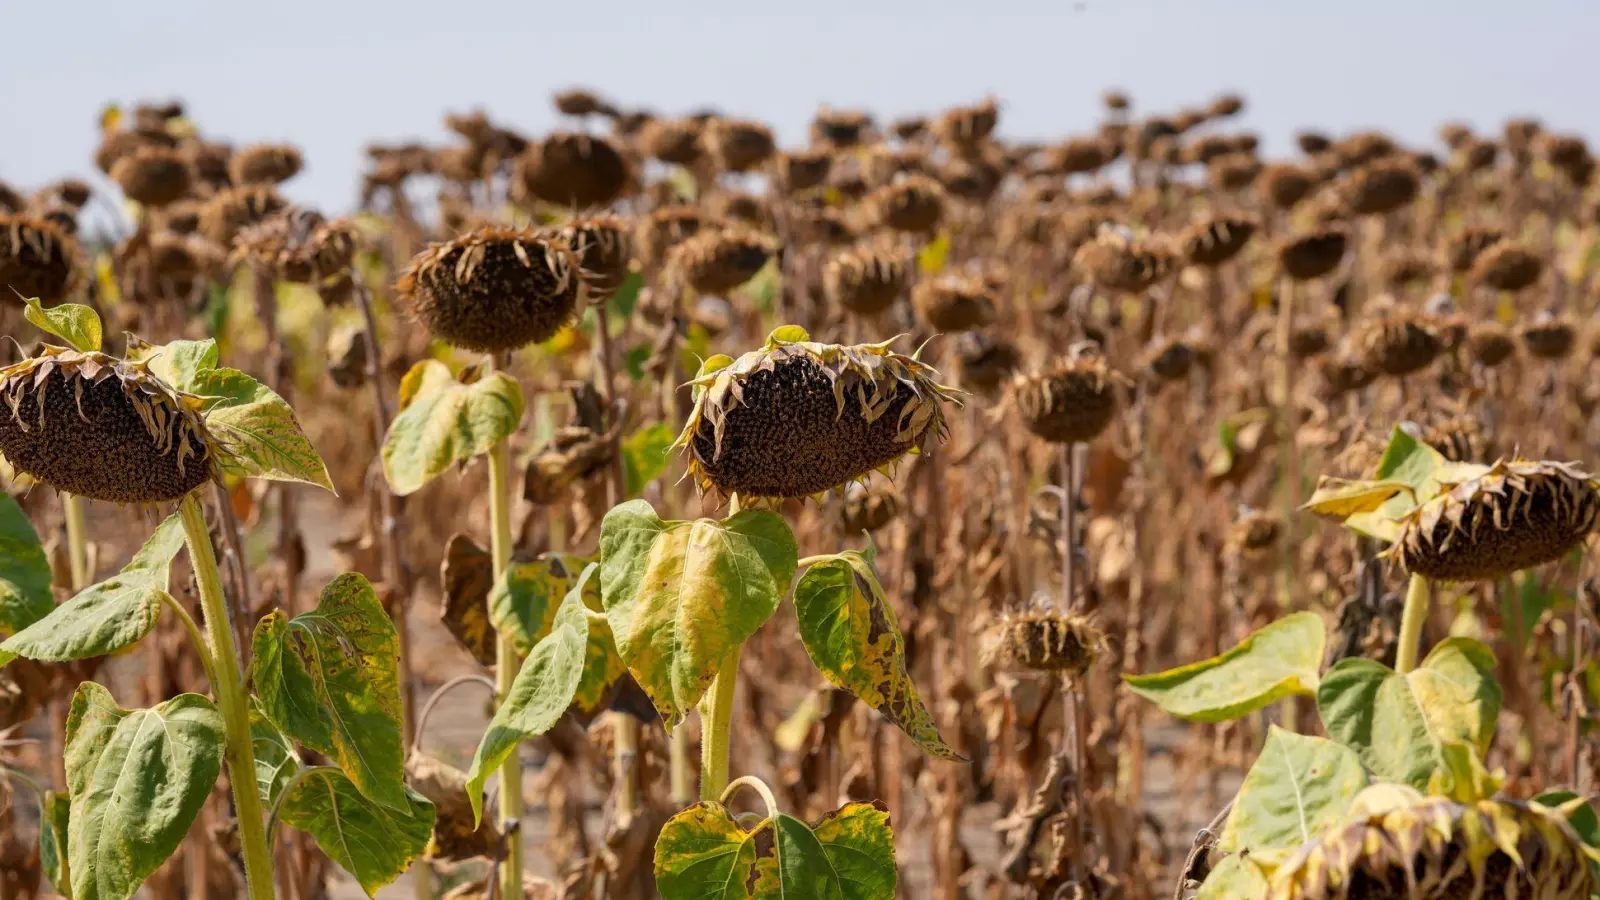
(1490, 343)
(210, 161)
(909, 128)
(800, 170)
(1363, 147)
(1462, 250)
(1078, 156)
(153, 176)
(580, 171)
(1397, 344)
(1382, 186)
(716, 261)
(231, 210)
(71, 192)
(914, 204)
(1225, 105)
(114, 145)
(1119, 262)
(1476, 155)
(796, 418)
(986, 363)
(840, 127)
(1344, 372)
(1455, 134)
(1549, 338)
(1215, 240)
(1233, 171)
(1071, 401)
(603, 247)
(298, 245)
(1312, 142)
(868, 506)
(1512, 516)
(1206, 148)
(1458, 438)
(953, 302)
(1115, 100)
(867, 279)
(265, 164)
(675, 141)
(1170, 359)
(1313, 255)
(1405, 268)
(1507, 266)
(1044, 639)
(580, 102)
(965, 126)
(493, 289)
(667, 227)
(37, 259)
(103, 428)
(1254, 534)
(738, 146)
(739, 206)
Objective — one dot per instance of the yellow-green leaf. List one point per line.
(444, 422)
(1340, 499)
(683, 596)
(847, 855)
(602, 666)
(703, 854)
(56, 816)
(1462, 776)
(1399, 724)
(1280, 660)
(1235, 878)
(372, 842)
(850, 631)
(1298, 786)
(524, 600)
(644, 455)
(74, 323)
(330, 679)
(24, 571)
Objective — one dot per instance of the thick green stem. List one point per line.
(77, 540)
(716, 721)
(228, 686)
(506, 661)
(1411, 622)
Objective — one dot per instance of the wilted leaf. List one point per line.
(1580, 814)
(850, 631)
(106, 617)
(682, 596)
(74, 323)
(24, 571)
(1399, 724)
(444, 421)
(541, 692)
(371, 842)
(602, 666)
(330, 679)
(137, 779)
(703, 854)
(1298, 786)
(644, 455)
(1407, 460)
(523, 602)
(1462, 776)
(1278, 661)
(467, 574)
(1340, 499)
(455, 837)
(276, 761)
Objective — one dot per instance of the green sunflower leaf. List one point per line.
(374, 843)
(25, 596)
(1280, 660)
(74, 323)
(1298, 786)
(443, 421)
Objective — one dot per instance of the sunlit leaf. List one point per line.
(372, 842)
(1399, 724)
(329, 678)
(703, 854)
(644, 455)
(524, 600)
(682, 596)
(137, 779)
(1298, 786)
(1280, 660)
(850, 631)
(24, 571)
(74, 323)
(467, 575)
(276, 761)
(444, 422)
(847, 855)
(1234, 878)
(1339, 499)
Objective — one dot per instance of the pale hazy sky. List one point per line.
(330, 75)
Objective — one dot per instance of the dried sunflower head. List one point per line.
(1458, 438)
(574, 170)
(914, 204)
(668, 227)
(1078, 156)
(1045, 639)
(1254, 534)
(1436, 849)
(738, 146)
(603, 246)
(954, 302)
(868, 506)
(718, 260)
(799, 170)
(580, 102)
(1397, 344)
(1070, 401)
(1313, 255)
(965, 126)
(867, 279)
(1506, 266)
(1120, 262)
(1462, 250)
(1549, 338)
(675, 141)
(230, 211)
(1511, 516)
(1233, 171)
(1382, 186)
(298, 245)
(153, 175)
(37, 259)
(1215, 240)
(1170, 359)
(1490, 343)
(840, 127)
(265, 164)
(101, 427)
(986, 363)
(797, 418)
(493, 289)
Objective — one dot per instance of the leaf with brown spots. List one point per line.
(850, 631)
(467, 574)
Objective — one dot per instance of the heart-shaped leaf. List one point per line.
(850, 631)
(523, 602)
(106, 617)
(24, 570)
(703, 854)
(330, 679)
(1298, 786)
(1399, 724)
(276, 760)
(372, 842)
(74, 323)
(137, 779)
(682, 596)
(1280, 660)
(443, 422)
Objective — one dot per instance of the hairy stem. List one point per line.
(1411, 622)
(228, 686)
(716, 720)
(506, 661)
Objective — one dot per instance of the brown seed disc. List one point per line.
(738, 146)
(1507, 266)
(868, 508)
(493, 290)
(153, 176)
(954, 303)
(801, 170)
(1050, 641)
(1550, 339)
(37, 259)
(1171, 360)
(1212, 242)
(117, 144)
(1313, 255)
(1078, 156)
(717, 261)
(234, 209)
(1463, 250)
(265, 164)
(1490, 343)
(675, 141)
(840, 128)
(94, 427)
(668, 227)
(1397, 345)
(1233, 172)
(1071, 402)
(603, 247)
(915, 205)
(1383, 186)
(1119, 263)
(987, 364)
(866, 280)
(580, 171)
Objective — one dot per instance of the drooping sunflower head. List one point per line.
(603, 246)
(868, 506)
(102, 427)
(913, 204)
(953, 302)
(867, 279)
(1070, 401)
(493, 289)
(1511, 516)
(265, 164)
(571, 169)
(1045, 639)
(797, 418)
(1397, 344)
(1436, 849)
(37, 259)
(715, 261)
(1313, 255)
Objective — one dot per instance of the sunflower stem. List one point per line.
(228, 687)
(506, 661)
(1411, 622)
(77, 540)
(716, 719)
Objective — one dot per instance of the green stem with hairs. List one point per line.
(77, 540)
(507, 662)
(228, 686)
(1411, 622)
(716, 721)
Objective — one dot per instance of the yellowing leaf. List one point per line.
(445, 422)
(74, 323)
(1298, 786)
(1338, 498)
(1280, 660)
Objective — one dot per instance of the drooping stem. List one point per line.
(716, 720)
(77, 540)
(1411, 622)
(228, 687)
(506, 661)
